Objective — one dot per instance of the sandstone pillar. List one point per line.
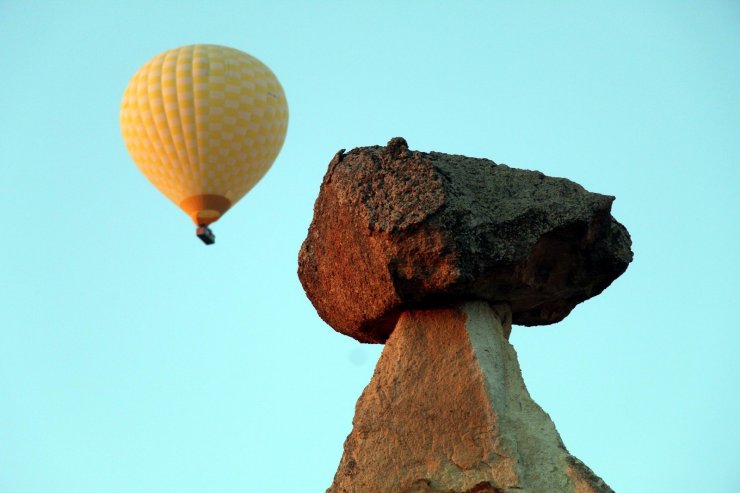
(447, 411)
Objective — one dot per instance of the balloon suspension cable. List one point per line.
(205, 234)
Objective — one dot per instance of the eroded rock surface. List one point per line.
(395, 229)
(447, 412)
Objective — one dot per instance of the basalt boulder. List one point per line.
(395, 229)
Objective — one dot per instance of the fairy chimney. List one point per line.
(438, 255)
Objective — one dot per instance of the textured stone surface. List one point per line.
(447, 412)
(395, 229)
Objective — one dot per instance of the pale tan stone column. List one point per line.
(447, 411)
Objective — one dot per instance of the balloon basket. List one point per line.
(206, 235)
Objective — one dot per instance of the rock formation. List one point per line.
(438, 255)
(447, 411)
(395, 229)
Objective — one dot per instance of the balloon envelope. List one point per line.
(204, 123)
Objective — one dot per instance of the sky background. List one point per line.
(135, 359)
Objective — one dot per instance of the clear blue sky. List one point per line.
(135, 359)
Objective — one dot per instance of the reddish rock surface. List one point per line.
(395, 229)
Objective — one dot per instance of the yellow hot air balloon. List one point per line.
(204, 123)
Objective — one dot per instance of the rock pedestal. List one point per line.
(436, 255)
(447, 411)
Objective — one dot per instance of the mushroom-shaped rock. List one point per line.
(395, 229)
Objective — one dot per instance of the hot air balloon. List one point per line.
(204, 123)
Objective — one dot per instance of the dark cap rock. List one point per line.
(395, 229)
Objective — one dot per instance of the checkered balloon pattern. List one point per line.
(204, 120)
